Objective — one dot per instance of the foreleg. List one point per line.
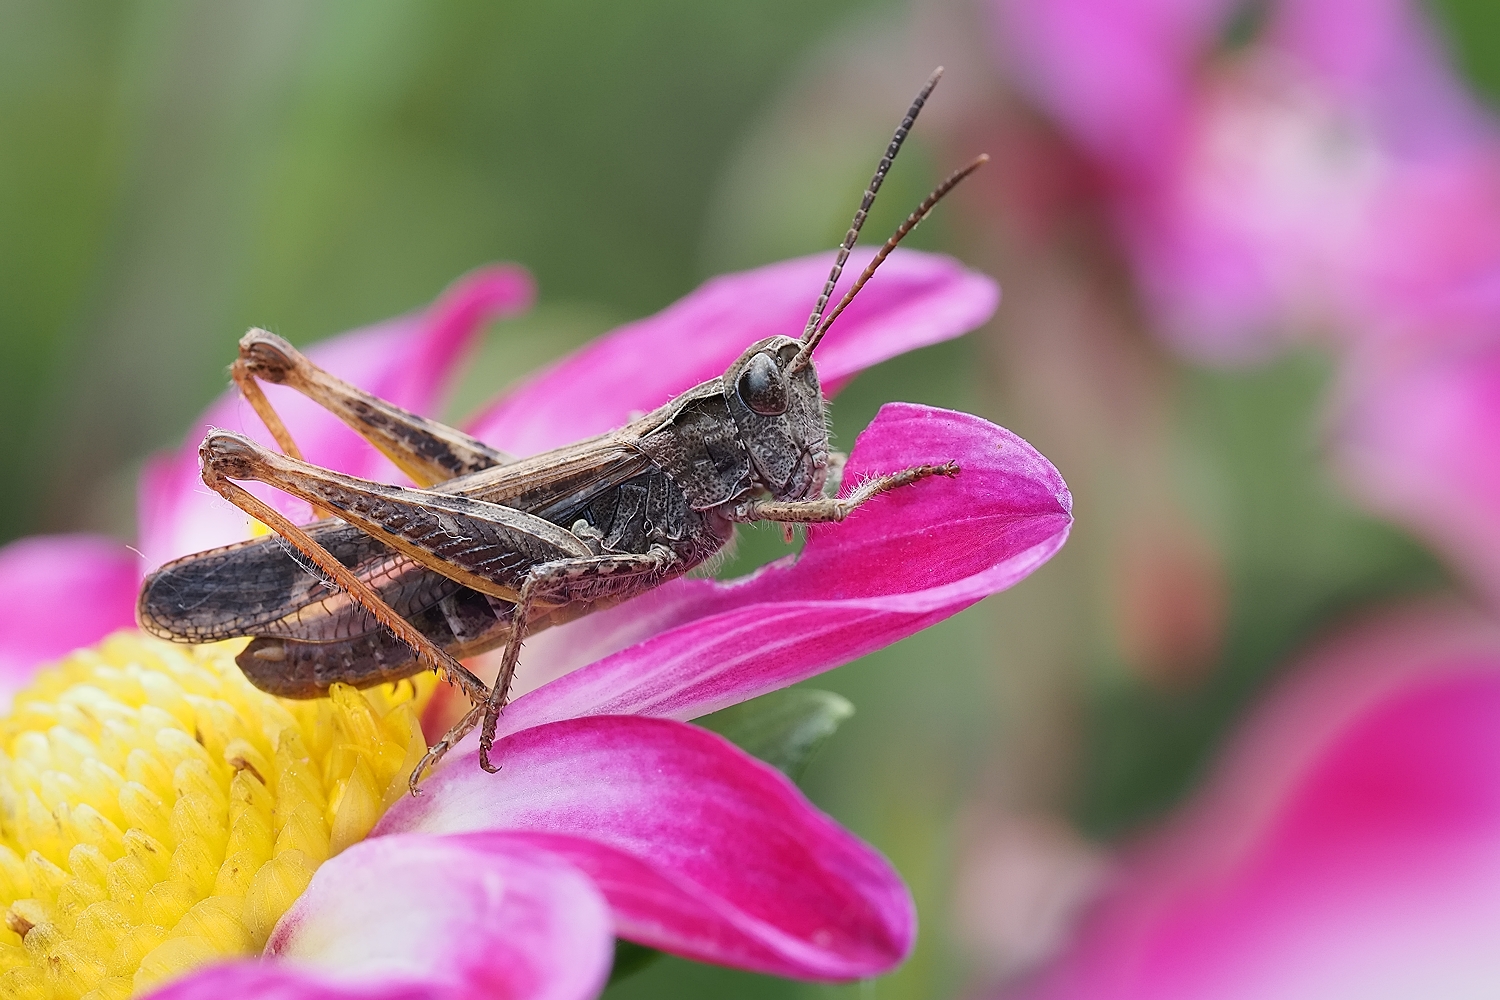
(825, 509)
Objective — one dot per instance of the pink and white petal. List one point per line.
(1345, 847)
(905, 561)
(407, 360)
(1421, 446)
(429, 918)
(915, 300)
(57, 593)
(700, 849)
(262, 981)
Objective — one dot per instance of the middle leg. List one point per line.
(563, 581)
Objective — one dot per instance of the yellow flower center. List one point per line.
(157, 812)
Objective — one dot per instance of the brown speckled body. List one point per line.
(671, 479)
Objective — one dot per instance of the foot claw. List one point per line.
(484, 759)
(429, 760)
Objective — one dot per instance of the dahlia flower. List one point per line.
(164, 825)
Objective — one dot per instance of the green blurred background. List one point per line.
(172, 173)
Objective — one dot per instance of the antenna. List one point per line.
(810, 340)
(869, 199)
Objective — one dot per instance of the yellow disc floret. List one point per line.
(157, 812)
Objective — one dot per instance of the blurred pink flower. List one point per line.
(1348, 844)
(1330, 175)
(606, 822)
(1326, 174)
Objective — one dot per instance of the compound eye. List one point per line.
(763, 387)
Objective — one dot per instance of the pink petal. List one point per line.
(1422, 447)
(1433, 273)
(429, 918)
(1118, 75)
(916, 299)
(699, 848)
(1382, 57)
(407, 360)
(1346, 848)
(57, 593)
(907, 560)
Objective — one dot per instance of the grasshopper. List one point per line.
(489, 548)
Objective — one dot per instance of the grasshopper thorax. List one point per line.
(779, 416)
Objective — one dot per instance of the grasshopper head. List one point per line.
(779, 416)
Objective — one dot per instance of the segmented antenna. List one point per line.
(810, 342)
(869, 199)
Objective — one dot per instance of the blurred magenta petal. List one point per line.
(1303, 181)
(57, 593)
(1349, 845)
(1436, 265)
(429, 918)
(1421, 446)
(916, 299)
(1262, 226)
(407, 360)
(699, 848)
(1117, 74)
(905, 561)
(1204, 177)
(1381, 57)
